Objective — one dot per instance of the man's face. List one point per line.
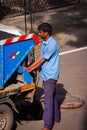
(43, 34)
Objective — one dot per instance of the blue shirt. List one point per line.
(50, 51)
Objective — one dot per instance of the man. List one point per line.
(48, 64)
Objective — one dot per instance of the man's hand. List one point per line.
(26, 69)
(35, 65)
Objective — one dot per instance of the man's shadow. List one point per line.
(61, 93)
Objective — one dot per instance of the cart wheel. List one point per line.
(6, 117)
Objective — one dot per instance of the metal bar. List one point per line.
(25, 20)
(30, 10)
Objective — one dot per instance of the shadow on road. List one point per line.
(28, 111)
(85, 121)
(61, 93)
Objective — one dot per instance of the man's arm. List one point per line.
(35, 65)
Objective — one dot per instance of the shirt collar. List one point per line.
(46, 42)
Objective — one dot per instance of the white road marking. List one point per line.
(74, 50)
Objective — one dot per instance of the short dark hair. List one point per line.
(46, 27)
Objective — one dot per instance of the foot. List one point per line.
(46, 129)
(56, 122)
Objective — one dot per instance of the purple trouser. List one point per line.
(51, 109)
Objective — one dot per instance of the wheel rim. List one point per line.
(2, 122)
